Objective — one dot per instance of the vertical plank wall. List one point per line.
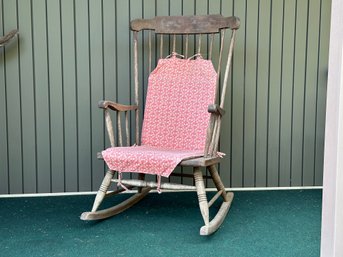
(72, 53)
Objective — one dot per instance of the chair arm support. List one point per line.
(103, 104)
(216, 109)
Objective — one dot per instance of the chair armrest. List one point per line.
(120, 109)
(216, 109)
(115, 106)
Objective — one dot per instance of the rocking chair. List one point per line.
(182, 121)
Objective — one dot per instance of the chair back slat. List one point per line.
(174, 42)
(150, 51)
(120, 134)
(199, 44)
(127, 129)
(161, 46)
(136, 83)
(186, 46)
(227, 69)
(210, 50)
(219, 65)
(109, 127)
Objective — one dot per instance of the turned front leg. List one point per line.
(103, 189)
(200, 186)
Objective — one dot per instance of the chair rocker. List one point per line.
(182, 121)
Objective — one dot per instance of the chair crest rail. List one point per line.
(186, 24)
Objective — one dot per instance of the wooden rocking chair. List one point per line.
(159, 134)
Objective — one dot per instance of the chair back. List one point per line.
(180, 89)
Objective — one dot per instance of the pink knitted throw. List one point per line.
(175, 119)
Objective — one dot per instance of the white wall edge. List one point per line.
(332, 207)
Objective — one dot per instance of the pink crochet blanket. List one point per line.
(175, 118)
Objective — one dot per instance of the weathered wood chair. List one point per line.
(7, 38)
(182, 121)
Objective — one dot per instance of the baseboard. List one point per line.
(154, 191)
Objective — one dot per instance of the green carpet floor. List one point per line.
(260, 223)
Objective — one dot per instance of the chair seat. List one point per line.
(146, 159)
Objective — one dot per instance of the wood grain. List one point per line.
(186, 24)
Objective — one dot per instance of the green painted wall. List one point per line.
(72, 53)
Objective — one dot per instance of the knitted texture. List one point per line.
(175, 119)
